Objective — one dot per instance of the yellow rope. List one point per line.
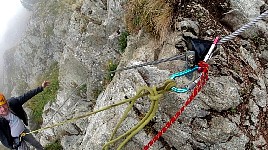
(154, 94)
(79, 117)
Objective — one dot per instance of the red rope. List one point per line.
(204, 77)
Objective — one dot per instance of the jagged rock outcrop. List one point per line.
(82, 36)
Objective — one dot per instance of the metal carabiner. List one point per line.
(183, 73)
(189, 71)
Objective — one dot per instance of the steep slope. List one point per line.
(83, 38)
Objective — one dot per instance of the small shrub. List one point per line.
(83, 88)
(54, 146)
(123, 41)
(233, 110)
(82, 91)
(111, 67)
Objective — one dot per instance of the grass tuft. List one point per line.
(154, 16)
(54, 146)
(123, 41)
(111, 67)
(37, 103)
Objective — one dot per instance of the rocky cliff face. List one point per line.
(83, 38)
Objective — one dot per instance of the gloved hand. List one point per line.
(16, 142)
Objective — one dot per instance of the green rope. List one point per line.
(154, 95)
(82, 116)
(126, 112)
(146, 121)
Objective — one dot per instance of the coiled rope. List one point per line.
(155, 95)
(204, 77)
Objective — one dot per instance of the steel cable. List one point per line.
(243, 28)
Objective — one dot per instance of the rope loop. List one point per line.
(169, 84)
(154, 95)
(203, 69)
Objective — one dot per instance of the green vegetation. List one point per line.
(82, 91)
(37, 103)
(123, 41)
(233, 110)
(111, 67)
(83, 88)
(154, 16)
(54, 146)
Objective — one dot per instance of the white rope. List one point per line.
(242, 29)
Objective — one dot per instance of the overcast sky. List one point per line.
(13, 21)
(8, 9)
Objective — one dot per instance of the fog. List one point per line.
(11, 36)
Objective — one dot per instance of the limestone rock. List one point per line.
(219, 96)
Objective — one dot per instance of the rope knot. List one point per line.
(155, 97)
(203, 67)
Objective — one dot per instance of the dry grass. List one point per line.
(153, 16)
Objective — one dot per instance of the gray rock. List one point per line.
(248, 56)
(200, 123)
(242, 12)
(246, 44)
(82, 36)
(266, 77)
(188, 25)
(254, 110)
(250, 8)
(177, 137)
(169, 50)
(236, 143)
(71, 142)
(264, 55)
(101, 124)
(221, 93)
(260, 142)
(235, 118)
(261, 96)
(220, 131)
(236, 19)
